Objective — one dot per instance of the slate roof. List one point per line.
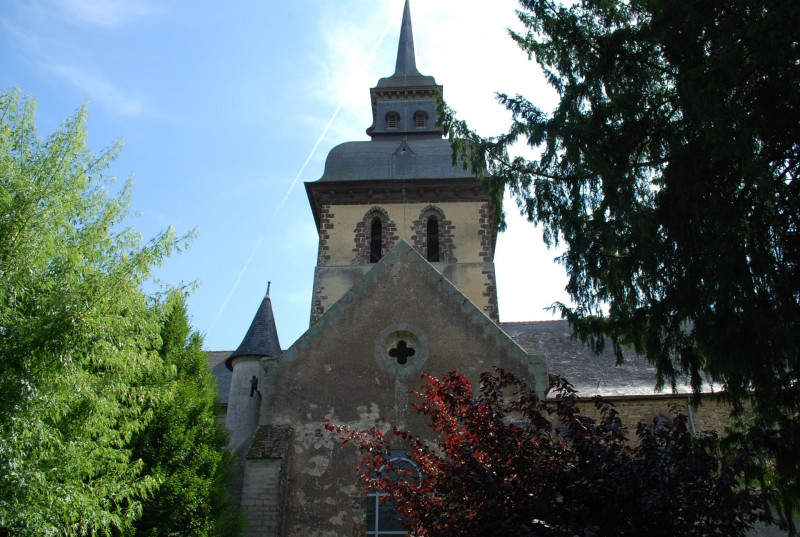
(590, 374)
(424, 158)
(216, 363)
(261, 338)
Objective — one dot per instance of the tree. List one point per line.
(184, 446)
(669, 170)
(76, 334)
(503, 462)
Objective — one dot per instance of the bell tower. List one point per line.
(401, 184)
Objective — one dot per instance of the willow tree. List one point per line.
(668, 171)
(78, 337)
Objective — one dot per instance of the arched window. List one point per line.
(392, 120)
(433, 238)
(420, 119)
(382, 516)
(375, 240)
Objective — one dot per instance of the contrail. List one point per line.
(311, 154)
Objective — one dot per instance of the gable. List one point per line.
(351, 357)
(355, 366)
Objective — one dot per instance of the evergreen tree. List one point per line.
(669, 170)
(184, 446)
(76, 334)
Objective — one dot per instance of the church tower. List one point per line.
(401, 185)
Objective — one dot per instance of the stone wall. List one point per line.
(344, 369)
(467, 247)
(713, 414)
(263, 496)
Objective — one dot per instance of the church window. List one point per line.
(420, 119)
(402, 352)
(375, 240)
(374, 235)
(433, 235)
(392, 120)
(401, 349)
(433, 238)
(382, 516)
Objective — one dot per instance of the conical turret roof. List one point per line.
(261, 338)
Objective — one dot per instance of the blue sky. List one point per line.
(226, 109)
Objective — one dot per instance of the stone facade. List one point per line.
(466, 246)
(263, 495)
(713, 414)
(343, 369)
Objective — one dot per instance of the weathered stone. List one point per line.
(271, 442)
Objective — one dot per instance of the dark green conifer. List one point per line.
(184, 446)
(669, 172)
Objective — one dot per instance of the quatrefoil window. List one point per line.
(402, 352)
(401, 349)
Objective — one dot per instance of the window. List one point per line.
(402, 352)
(374, 235)
(375, 240)
(392, 120)
(433, 235)
(420, 119)
(433, 239)
(382, 516)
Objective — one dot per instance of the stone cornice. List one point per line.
(402, 94)
(392, 191)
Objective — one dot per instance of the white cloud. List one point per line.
(106, 13)
(463, 44)
(528, 279)
(347, 67)
(100, 90)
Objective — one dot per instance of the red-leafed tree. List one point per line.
(504, 462)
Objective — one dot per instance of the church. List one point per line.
(404, 283)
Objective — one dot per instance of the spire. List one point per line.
(405, 70)
(262, 336)
(406, 61)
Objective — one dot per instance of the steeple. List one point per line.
(401, 185)
(261, 338)
(406, 62)
(406, 74)
(405, 103)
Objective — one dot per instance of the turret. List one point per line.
(260, 341)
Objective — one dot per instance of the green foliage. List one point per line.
(184, 446)
(76, 334)
(669, 169)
